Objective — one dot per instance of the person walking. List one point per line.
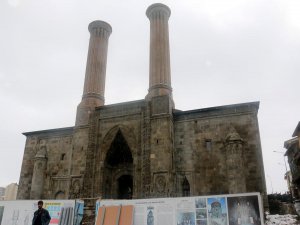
(41, 216)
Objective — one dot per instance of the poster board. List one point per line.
(115, 215)
(78, 212)
(20, 212)
(234, 209)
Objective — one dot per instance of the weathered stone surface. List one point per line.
(192, 145)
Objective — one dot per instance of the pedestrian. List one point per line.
(41, 216)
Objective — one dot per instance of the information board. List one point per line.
(20, 212)
(235, 209)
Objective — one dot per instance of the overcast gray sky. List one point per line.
(222, 52)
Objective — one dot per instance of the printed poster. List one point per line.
(231, 209)
(20, 212)
(243, 210)
(217, 211)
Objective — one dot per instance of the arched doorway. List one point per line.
(118, 167)
(185, 187)
(125, 187)
(60, 195)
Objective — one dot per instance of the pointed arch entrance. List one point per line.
(118, 169)
(185, 187)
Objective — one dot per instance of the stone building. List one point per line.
(2, 193)
(145, 148)
(11, 191)
(293, 154)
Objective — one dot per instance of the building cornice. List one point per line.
(60, 131)
(242, 108)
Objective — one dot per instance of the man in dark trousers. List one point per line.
(41, 216)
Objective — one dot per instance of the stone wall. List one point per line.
(47, 162)
(201, 140)
(174, 153)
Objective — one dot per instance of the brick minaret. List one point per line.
(158, 170)
(160, 72)
(94, 84)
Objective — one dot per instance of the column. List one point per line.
(160, 72)
(235, 163)
(94, 84)
(39, 170)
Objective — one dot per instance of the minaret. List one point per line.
(159, 122)
(160, 72)
(94, 84)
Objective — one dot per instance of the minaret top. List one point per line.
(98, 24)
(158, 7)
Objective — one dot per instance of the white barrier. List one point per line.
(20, 212)
(235, 209)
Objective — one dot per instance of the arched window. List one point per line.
(60, 195)
(185, 187)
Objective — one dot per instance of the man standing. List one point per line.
(41, 216)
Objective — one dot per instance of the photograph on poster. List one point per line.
(217, 211)
(200, 210)
(78, 214)
(150, 215)
(54, 209)
(243, 210)
(201, 214)
(66, 216)
(185, 218)
(201, 222)
(200, 203)
(20, 212)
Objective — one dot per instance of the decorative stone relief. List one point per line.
(75, 189)
(233, 135)
(41, 152)
(59, 184)
(234, 161)
(160, 184)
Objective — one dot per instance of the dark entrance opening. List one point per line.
(119, 152)
(185, 187)
(118, 167)
(125, 187)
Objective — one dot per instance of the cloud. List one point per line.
(14, 3)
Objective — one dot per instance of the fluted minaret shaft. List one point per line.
(94, 84)
(160, 72)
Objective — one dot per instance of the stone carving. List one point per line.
(41, 152)
(56, 170)
(233, 135)
(75, 189)
(160, 184)
(234, 162)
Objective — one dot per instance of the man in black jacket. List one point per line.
(41, 216)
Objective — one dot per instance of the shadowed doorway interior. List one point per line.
(125, 187)
(118, 169)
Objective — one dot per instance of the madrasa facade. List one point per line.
(145, 148)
